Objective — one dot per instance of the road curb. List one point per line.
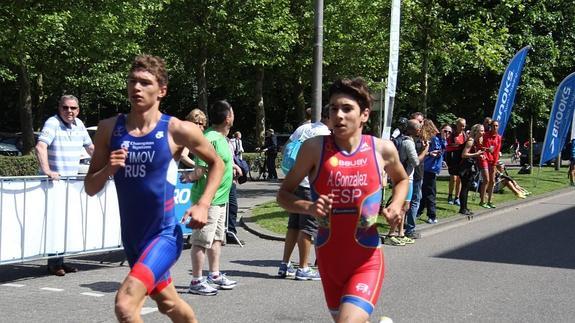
(424, 229)
(456, 220)
(252, 227)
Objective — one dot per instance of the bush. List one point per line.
(18, 166)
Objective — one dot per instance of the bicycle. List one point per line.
(258, 168)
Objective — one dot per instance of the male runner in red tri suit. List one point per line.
(346, 170)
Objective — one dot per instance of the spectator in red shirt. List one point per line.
(492, 146)
(455, 144)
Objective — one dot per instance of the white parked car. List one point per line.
(85, 158)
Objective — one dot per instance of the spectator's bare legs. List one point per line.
(491, 184)
(289, 245)
(457, 186)
(399, 228)
(173, 306)
(510, 185)
(454, 184)
(198, 258)
(304, 247)
(483, 186)
(214, 256)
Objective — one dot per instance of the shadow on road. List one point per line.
(104, 287)
(546, 242)
(30, 270)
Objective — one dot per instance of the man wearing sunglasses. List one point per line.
(58, 150)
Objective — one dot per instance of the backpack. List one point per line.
(245, 169)
(289, 155)
(398, 142)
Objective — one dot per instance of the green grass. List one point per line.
(270, 216)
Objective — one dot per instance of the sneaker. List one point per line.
(413, 235)
(456, 202)
(201, 287)
(309, 274)
(222, 281)
(393, 241)
(286, 270)
(465, 212)
(450, 201)
(406, 240)
(491, 205)
(431, 221)
(484, 205)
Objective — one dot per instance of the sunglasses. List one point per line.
(446, 131)
(65, 107)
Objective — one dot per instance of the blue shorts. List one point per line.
(152, 264)
(409, 191)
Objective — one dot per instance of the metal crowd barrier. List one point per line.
(40, 218)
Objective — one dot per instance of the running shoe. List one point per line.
(456, 202)
(484, 205)
(309, 274)
(406, 240)
(393, 241)
(450, 201)
(201, 287)
(222, 281)
(491, 205)
(413, 235)
(431, 221)
(286, 270)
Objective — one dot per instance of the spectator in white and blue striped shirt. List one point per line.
(59, 148)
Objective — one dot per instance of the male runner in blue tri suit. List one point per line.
(140, 149)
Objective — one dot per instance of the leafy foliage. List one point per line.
(452, 56)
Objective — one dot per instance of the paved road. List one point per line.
(506, 266)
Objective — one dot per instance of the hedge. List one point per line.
(18, 166)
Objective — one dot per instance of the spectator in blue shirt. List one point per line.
(64, 137)
(432, 166)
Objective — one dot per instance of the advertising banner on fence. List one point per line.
(183, 201)
(559, 120)
(40, 217)
(507, 89)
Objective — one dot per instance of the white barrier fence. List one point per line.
(40, 218)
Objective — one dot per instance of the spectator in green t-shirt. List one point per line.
(208, 240)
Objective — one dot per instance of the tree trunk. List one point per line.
(260, 110)
(531, 140)
(300, 101)
(201, 76)
(425, 64)
(39, 102)
(25, 103)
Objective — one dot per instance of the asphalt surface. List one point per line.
(511, 264)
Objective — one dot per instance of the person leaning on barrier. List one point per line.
(58, 150)
(141, 149)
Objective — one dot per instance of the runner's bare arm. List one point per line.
(393, 167)
(104, 162)
(186, 134)
(306, 164)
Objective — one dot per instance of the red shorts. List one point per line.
(483, 164)
(354, 275)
